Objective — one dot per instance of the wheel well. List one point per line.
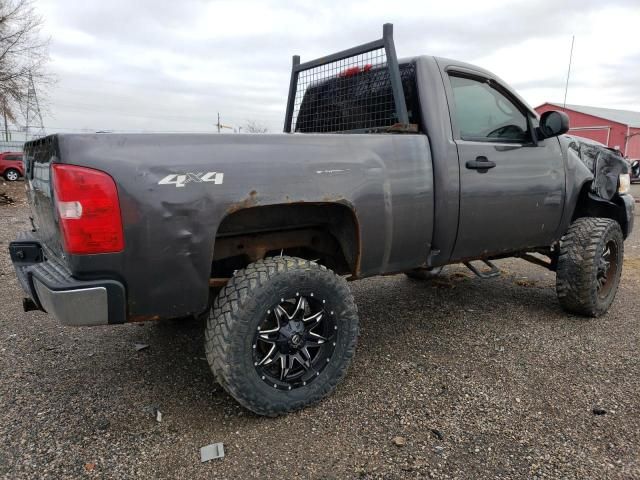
(590, 205)
(327, 233)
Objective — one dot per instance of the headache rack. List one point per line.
(358, 90)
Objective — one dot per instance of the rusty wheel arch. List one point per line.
(327, 232)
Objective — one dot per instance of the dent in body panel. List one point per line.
(444, 154)
(411, 199)
(388, 223)
(170, 232)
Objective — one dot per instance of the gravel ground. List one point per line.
(480, 378)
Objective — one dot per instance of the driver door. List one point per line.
(511, 188)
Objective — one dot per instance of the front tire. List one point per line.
(281, 334)
(589, 266)
(11, 175)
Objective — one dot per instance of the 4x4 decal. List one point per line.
(181, 179)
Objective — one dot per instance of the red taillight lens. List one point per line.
(89, 210)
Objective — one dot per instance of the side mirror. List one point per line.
(553, 123)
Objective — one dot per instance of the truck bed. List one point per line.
(176, 190)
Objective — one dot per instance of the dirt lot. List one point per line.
(483, 379)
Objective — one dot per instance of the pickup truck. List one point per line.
(385, 166)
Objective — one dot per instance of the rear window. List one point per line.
(13, 157)
(358, 99)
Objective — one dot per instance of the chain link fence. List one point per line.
(11, 146)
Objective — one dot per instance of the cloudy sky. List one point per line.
(156, 65)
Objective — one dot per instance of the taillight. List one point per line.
(89, 210)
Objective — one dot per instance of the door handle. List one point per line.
(482, 164)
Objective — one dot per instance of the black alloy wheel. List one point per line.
(295, 342)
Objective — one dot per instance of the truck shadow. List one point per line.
(461, 322)
(395, 312)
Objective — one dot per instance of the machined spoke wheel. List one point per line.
(281, 334)
(295, 341)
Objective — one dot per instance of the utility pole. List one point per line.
(220, 125)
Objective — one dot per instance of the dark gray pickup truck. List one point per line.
(386, 166)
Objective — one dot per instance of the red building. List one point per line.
(618, 129)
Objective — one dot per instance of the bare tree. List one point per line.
(23, 56)
(255, 127)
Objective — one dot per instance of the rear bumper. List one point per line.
(77, 306)
(71, 301)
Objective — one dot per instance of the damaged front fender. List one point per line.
(593, 173)
(606, 165)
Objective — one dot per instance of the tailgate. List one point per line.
(38, 157)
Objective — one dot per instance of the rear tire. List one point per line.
(589, 266)
(11, 175)
(281, 334)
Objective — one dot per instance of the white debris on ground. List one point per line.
(211, 452)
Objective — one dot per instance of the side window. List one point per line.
(482, 113)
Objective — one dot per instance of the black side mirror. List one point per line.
(553, 123)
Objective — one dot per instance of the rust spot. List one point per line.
(250, 201)
(255, 247)
(237, 236)
(218, 282)
(404, 128)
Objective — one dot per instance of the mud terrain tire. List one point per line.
(589, 266)
(247, 301)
